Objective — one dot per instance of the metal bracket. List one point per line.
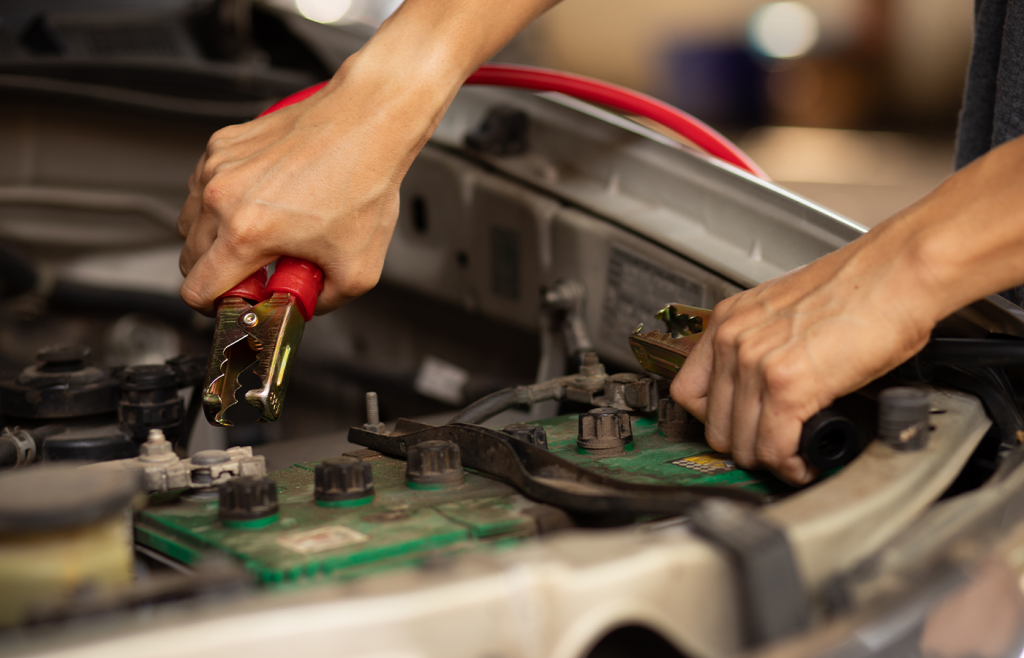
(774, 600)
(545, 477)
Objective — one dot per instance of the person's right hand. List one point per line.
(317, 180)
(772, 356)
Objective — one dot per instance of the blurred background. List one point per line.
(851, 103)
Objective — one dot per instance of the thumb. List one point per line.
(217, 271)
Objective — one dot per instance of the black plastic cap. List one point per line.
(247, 498)
(829, 440)
(59, 358)
(604, 428)
(672, 419)
(529, 433)
(343, 478)
(903, 417)
(434, 462)
(149, 378)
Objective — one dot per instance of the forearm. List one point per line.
(319, 179)
(970, 231)
(449, 39)
(960, 243)
(422, 54)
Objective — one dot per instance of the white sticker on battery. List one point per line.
(442, 381)
(322, 539)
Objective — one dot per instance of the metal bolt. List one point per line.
(591, 366)
(373, 423)
(372, 409)
(156, 448)
(249, 319)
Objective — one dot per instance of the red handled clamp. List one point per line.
(260, 325)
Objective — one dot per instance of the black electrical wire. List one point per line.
(17, 275)
(488, 407)
(83, 298)
(976, 352)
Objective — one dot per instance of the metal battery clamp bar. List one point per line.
(258, 328)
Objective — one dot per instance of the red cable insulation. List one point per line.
(595, 91)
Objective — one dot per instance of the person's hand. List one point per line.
(318, 180)
(773, 356)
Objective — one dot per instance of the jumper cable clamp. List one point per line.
(664, 353)
(258, 327)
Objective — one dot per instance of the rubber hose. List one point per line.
(17, 275)
(974, 352)
(81, 298)
(487, 407)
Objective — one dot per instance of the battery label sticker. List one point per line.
(321, 539)
(709, 463)
(637, 289)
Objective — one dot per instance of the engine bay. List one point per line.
(471, 460)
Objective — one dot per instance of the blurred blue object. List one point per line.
(723, 85)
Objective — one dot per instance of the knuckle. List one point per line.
(726, 336)
(242, 239)
(722, 307)
(213, 195)
(360, 282)
(679, 393)
(748, 355)
(781, 376)
(209, 171)
(769, 455)
(222, 135)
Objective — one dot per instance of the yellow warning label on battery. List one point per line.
(709, 463)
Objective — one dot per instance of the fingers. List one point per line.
(778, 441)
(343, 285)
(690, 385)
(218, 269)
(198, 240)
(194, 203)
(721, 388)
(738, 381)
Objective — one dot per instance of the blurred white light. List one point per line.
(323, 11)
(784, 29)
